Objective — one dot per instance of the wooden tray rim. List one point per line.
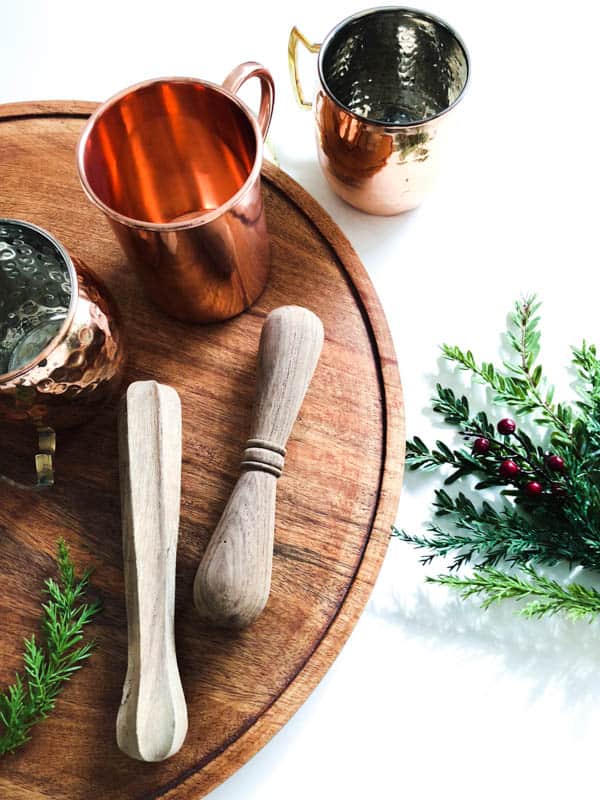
(208, 774)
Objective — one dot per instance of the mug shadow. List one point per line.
(365, 231)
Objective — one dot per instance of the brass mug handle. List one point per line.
(251, 69)
(43, 463)
(312, 47)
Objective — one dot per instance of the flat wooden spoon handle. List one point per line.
(152, 720)
(233, 580)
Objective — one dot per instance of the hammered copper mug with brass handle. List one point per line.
(61, 348)
(388, 79)
(174, 163)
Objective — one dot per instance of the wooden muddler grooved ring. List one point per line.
(233, 580)
(264, 456)
(152, 720)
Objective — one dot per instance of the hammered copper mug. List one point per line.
(388, 79)
(174, 163)
(61, 347)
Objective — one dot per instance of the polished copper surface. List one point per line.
(388, 78)
(76, 367)
(380, 171)
(175, 165)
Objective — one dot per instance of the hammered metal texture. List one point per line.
(405, 70)
(395, 66)
(82, 366)
(35, 293)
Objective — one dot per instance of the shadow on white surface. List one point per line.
(551, 653)
(365, 232)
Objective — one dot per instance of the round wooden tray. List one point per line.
(336, 499)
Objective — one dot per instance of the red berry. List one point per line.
(555, 463)
(509, 469)
(533, 488)
(507, 426)
(481, 446)
(558, 490)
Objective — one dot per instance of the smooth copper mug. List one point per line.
(388, 79)
(61, 348)
(174, 163)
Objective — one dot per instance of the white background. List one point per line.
(430, 698)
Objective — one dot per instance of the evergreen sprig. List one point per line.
(522, 385)
(546, 513)
(488, 535)
(49, 663)
(544, 595)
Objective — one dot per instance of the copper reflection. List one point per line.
(175, 165)
(389, 79)
(381, 171)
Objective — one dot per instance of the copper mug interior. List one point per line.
(175, 165)
(169, 151)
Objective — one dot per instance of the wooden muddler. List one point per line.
(152, 720)
(234, 577)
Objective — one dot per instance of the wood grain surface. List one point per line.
(336, 499)
(233, 581)
(152, 720)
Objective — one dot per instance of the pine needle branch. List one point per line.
(544, 595)
(547, 504)
(49, 663)
(487, 535)
(522, 386)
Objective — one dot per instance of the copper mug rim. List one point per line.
(203, 217)
(60, 335)
(374, 10)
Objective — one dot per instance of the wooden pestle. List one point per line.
(152, 719)
(233, 580)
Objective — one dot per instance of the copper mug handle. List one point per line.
(312, 47)
(242, 73)
(44, 467)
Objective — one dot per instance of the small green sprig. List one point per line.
(544, 596)
(48, 664)
(522, 385)
(488, 535)
(547, 508)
